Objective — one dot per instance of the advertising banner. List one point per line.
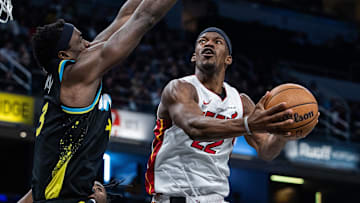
(132, 125)
(16, 108)
(324, 154)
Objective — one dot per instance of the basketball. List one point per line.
(303, 104)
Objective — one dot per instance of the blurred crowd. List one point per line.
(164, 54)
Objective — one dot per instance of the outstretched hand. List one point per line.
(272, 120)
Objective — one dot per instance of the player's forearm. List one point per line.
(210, 129)
(155, 9)
(124, 40)
(123, 15)
(271, 147)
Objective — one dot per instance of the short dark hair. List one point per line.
(223, 35)
(44, 43)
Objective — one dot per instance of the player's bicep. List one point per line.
(180, 100)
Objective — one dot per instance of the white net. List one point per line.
(5, 11)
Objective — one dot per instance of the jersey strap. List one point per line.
(83, 110)
(72, 110)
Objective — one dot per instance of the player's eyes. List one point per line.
(202, 41)
(98, 189)
(218, 42)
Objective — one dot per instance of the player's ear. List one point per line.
(63, 55)
(228, 60)
(193, 58)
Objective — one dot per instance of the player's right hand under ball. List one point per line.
(272, 120)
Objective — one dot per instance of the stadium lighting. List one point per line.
(106, 158)
(286, 179)
(3, 198)
(23, 134)
(318, 196)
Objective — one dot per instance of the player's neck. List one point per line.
(213, 82)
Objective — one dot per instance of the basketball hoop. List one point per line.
(5, 11)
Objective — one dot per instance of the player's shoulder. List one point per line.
(180, 83)
(178, 88)
(246, 99)
(244, 96)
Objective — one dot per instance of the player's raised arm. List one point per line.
(120, 45)
(180, 100)
(123, 15)
(98, 59)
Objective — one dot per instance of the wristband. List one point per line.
(247, 125)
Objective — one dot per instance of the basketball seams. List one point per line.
(267, 102)
(301, 105)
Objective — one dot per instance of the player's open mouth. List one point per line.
(207, 52)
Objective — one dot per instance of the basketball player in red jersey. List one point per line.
(197, 120)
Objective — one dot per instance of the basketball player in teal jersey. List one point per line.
(75, 122)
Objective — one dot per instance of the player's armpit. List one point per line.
(84, 70)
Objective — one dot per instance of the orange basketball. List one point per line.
(303, 104)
